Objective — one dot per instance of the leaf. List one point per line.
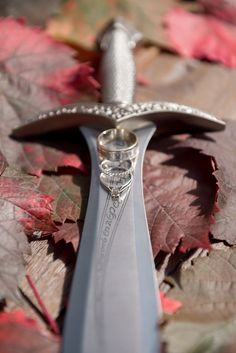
(207, 318)
(70, 233)
(192, 337)
(36, 13)
(78, 24)
(31, 208)
(169, 306)
(213, 40)
(37, 157)
(179, 191)
(222, 146)
(22, 209)
(224, 9)
(37, 73)
(21, 334)
(69, 193)
(207, 289)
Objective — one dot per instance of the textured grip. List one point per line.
(117, 69)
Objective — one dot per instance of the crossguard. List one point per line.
(170, 118)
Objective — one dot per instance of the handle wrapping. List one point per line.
(117, 68)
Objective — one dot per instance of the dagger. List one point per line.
(113, 304)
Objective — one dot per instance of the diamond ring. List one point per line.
(118, 169)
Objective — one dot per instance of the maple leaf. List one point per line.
(21, 334)
(23, 209)
(70, 233)
(30, 207)
(222, 146)
(37, 157)
(69, 193)
(213, 39)
(179, 192)
(37, 73)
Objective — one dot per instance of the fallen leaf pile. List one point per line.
(189, 181)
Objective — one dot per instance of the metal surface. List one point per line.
(117, 68)
(170, 118)
(113, 303)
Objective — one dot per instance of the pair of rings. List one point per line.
(117, 149)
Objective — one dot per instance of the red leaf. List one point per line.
(37, 157)
(21, 334)
(70, 233)
(37, 73)
(32, 208)
(169, 306)
(70, 194)
(201, 36)
(180, 193)
(20, 203)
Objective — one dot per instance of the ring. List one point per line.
(118, 169)
(116, 184)
(117, 145)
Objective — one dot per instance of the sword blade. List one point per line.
(113, 302)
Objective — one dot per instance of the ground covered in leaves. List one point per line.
(189, 181)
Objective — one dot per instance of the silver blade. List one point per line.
(113, 302)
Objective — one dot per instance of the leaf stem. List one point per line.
(49, 319)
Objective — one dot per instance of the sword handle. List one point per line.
(117, 68)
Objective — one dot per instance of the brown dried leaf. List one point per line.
(207, 289)
(192, 337)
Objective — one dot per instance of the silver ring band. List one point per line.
(117, 145)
